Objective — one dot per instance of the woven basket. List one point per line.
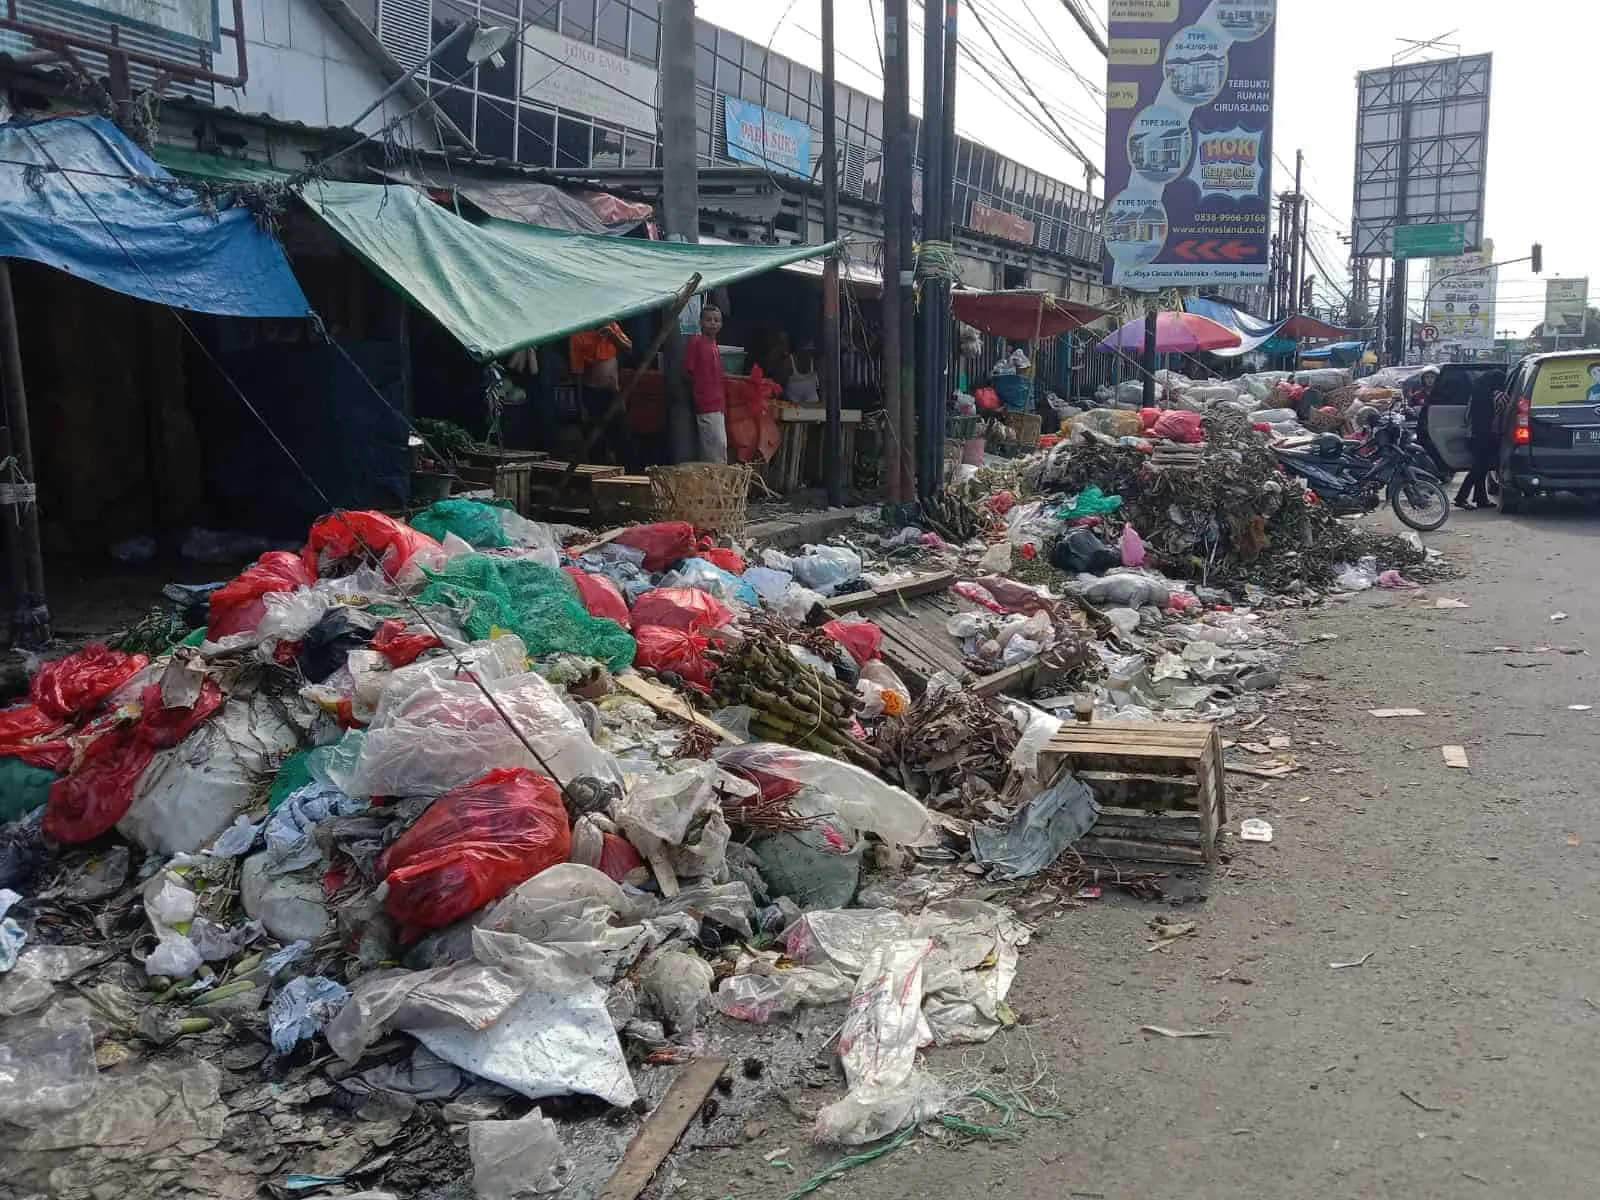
(711, 497)
(1027, 427)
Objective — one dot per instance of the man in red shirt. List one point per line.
(702, 364)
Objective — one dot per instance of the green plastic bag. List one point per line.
(537, 603)
(1091, 502)
(474, 522)
(22, 788)
(293, 775)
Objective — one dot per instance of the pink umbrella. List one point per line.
(1176, 333)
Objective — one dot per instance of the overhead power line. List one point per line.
(1089, 31)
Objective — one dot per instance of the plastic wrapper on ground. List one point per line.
(516, 1159)
(860, 799)
(71, 686)
(678, 984)
(1037, 832)
(301, 1008)
(707, 577)
(290, 906)
(45, 1072)
(759, 990)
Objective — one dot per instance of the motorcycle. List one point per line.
(1352, 481)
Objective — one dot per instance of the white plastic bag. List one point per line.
(759, 990)
(657, 815)
(860, 799)
(826, 568)
(679, 984)
(516, 1159)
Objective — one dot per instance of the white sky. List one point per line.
(1539, 171)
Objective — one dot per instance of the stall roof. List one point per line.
(1255, 331)
(852, 270)
(77, 195)
(181, 160)
(498, 286)
(1022, 315)
(534, 202)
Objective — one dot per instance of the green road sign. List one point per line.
(1430, 241)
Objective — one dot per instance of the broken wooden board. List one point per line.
(1454, 756)
(1395, 712)
(665, 700)
(662, 1129)
(916, 643)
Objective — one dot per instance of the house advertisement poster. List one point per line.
(1189, 142)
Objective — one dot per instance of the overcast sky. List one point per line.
(1540, 118)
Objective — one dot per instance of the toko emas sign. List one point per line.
(1189, 142)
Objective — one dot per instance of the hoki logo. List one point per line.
(1225, 150)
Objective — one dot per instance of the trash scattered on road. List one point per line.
(1558, 616)
(1396, 712)
(1454, 756)
(1163, 1031)
(1358, 962)
(1448, 603)
(1254, 829)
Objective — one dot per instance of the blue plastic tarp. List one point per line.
(77, 195)
(1253, 331)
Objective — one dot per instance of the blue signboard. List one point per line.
(1189, 142)
(767, 139)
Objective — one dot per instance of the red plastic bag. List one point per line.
(663, 543)
(400, 647)
(1149, 416)
(24, 723)
(69, 687)
(473, 845)
(1180, 425)
(862, 638)
(98, 794)
(238, 605)
(618, 858)
(681, 608)
(988, 399)
(600, 596)
(678, 651)
(344, 535)
(730, 561)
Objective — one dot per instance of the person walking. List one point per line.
(1483, 439)
(702, 363)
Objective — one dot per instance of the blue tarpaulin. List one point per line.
(77, 195)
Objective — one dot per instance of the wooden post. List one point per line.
(30, 616)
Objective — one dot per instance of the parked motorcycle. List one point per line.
(1352, 480)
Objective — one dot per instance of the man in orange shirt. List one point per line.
(593, 360)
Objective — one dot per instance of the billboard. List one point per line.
(1461, 299)
(766, 138)
(1427, 124)
(1189, 142)
(1565, 303)
(192, 21)
(565, 73)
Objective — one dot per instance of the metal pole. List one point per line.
(30, 619)
(930, 453)
(680, 195)
(895, 193)
(947, 222)
(1147, 362)
(833, 432)
(1397, 305)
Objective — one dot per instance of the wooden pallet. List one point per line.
(1161, 786)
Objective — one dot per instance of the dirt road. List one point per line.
(1459, 1061)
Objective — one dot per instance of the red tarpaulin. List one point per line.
(1021, 315)
(1302, 326)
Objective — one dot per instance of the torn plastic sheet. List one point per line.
(759, 989)
(45, 1072)
(167, 1104)
(302, 1008)
(30, 984)
(512, 1159)
(878, 1049)
(12, 936)
(556, 1039)
(1037, 832)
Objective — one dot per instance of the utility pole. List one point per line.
(680, 195)
(833, 431)
(1147, 360)
(1397, 304)
(947, 224)
(930, 423)
(895, 193)
(1297, 247)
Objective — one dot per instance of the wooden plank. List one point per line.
(662, 1129)
(1144, 789)
(854, 602)
(1130, 849)
(1004, 680)
(665, 700)
(1150, 829)
(935, 645)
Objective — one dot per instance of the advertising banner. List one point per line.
(1189, 142)
(1461, 299)
(565, 73)
(998, 223)
(1565, 301)
(766, 138)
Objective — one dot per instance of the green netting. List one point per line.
(22, 788)
(537, 603)
(474, 522)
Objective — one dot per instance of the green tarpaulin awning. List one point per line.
(180, 160)
(499, 286)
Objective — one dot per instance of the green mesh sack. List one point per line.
(474, 522)
(537, 603)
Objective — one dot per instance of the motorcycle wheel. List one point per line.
(1421, 503)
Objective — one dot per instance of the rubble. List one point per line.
(499, 814)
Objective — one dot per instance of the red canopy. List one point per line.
(1021, 315)
(1302, 326)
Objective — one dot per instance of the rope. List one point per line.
(937, 260)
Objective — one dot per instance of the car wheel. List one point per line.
(1511, 501)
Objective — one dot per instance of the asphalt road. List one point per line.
(1459, 1061)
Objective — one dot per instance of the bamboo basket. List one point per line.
(711, 497)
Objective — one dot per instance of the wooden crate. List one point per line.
(511, 481)
(1160, 785)
(622, 498)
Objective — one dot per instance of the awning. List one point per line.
(193, 164)
(1254, 332)
(1330, 350)
(1021, 315)
(77, 195)
(1302, 326)
(535, 203)
(856, 272)
(498, 286)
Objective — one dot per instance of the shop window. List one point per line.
(705, 65)
(607, 148)
(611, 27)
(643, 41)
(638, 152)
(1013, 276)
(543, 13)
(495, 125)
(751, 86)
(536, 137)
(500, 81)
(577, 19)
(572, 142)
